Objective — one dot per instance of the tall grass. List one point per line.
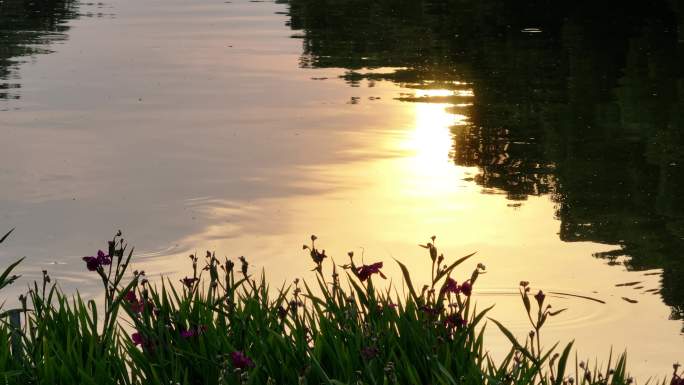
(224, 325)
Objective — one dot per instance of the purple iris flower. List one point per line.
(240, 360)
(450, 286)
(102, 259)
(189, 281)
(370, 352)
(137, 338)
(364, 272)
(467, 288)
(187, 333)
(91, 263)
(455, 321)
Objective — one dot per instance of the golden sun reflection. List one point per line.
(430, 144)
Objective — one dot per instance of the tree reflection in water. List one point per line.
(582, 101)
(28, 28)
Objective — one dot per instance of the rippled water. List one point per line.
(549, 143)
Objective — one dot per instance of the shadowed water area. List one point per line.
(546, 136)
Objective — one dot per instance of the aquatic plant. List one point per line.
(225, 325)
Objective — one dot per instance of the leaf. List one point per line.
(6, 235)
(3, 277)
(548, 353)
(553, 313)
(446, 373)
(526, 301)
(321, 372)
(515, 342)
(578, 296)
(452, 266)
(481, 315)
(407, 279)
(363, 298)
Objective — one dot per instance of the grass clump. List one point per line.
(223, 325)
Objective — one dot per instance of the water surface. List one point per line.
(549, 142)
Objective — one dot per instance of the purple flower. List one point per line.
(429, 310)
(364, 272)
(130, 297)
(318, 256)
(91, 263)
(187, 333)
(103, 259)
(189, 281)
(193, 332)
(282, 312)
(540, 296)
(467, 288)
(240, 360)
(135, 305)
(137, 339)
(369, 352)
(450, 286)
(455, 321)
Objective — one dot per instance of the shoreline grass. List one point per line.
(224, 325)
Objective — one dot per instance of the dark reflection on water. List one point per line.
(27, 28)
(580, 101)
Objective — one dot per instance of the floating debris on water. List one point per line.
(531, 30)
(578, 296)
(628, 284)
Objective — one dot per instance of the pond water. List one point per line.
(549, 139)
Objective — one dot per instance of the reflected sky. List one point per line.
(193, 127)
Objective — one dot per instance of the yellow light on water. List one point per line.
(430, 140)
(430, 144)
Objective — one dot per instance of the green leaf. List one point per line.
(321, 372)
(451, 267)
(446, 373)
(562, 364)
(553, 313)
(481, 315)
(526, 301)
(6, 235)
(3, 277)
(515, 342)
(407, 279)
